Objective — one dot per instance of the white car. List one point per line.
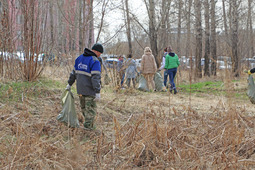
(111, 62)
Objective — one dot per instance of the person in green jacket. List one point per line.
(171, 65)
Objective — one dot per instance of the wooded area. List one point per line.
(202, 119)
(198, 30)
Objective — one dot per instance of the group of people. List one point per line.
(87, 74)
(128, 69)
(170, 63)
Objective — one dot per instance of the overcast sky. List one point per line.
(114, 18)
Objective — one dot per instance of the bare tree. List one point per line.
(234, 38)
(91, 24)
(225, 18)
(32, 36)
(152, 29)
(188, 46)
(198, 71)
(5, 37)
(180, 4)
(207, 38)
(213, 48)
(128, 28)
(250, 28)
(51, 23)
(104, 7)
(164, 34)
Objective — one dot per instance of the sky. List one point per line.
(114, 18)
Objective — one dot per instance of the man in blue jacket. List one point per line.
(87, 73)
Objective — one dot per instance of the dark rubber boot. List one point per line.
(175, 91)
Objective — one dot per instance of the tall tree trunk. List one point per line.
(104, 7)
(234, 38)
(207, 38)
(91, 24)
(225, 19)
(6, 37)
(61, 27)
(179, 26)
(128, 28)
(51, 24)
(164, 18)
(152, 31)
(188, 46)
(198, 71)
(80, 23)
(251, 50)
(213, 48)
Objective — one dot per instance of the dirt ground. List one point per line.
(31, 134)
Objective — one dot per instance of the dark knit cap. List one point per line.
(98, 47)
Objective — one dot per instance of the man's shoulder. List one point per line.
(95, 58)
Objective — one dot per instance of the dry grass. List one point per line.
(136, 130)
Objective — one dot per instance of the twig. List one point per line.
(127, 120)
(191, 146)
(219, 127)
(110, 102)
(222, 133)
(243, 121)
(11, 117)
(15, 155)
(247, 160)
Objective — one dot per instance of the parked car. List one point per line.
(111, 62)
(223, 65)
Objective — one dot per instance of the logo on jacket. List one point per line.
(82, 66)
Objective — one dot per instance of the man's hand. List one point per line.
(68, 87)
(247, 71)
(97, 99)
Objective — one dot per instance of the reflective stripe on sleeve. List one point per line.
(95, 72)
(83, 72)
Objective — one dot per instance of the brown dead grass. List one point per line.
(135, 130)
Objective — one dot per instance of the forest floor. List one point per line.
(203, 128)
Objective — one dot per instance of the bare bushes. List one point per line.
(21, 43)
(187, 140)
(181, 138)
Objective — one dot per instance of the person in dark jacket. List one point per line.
(171, 65)
(87, 74)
